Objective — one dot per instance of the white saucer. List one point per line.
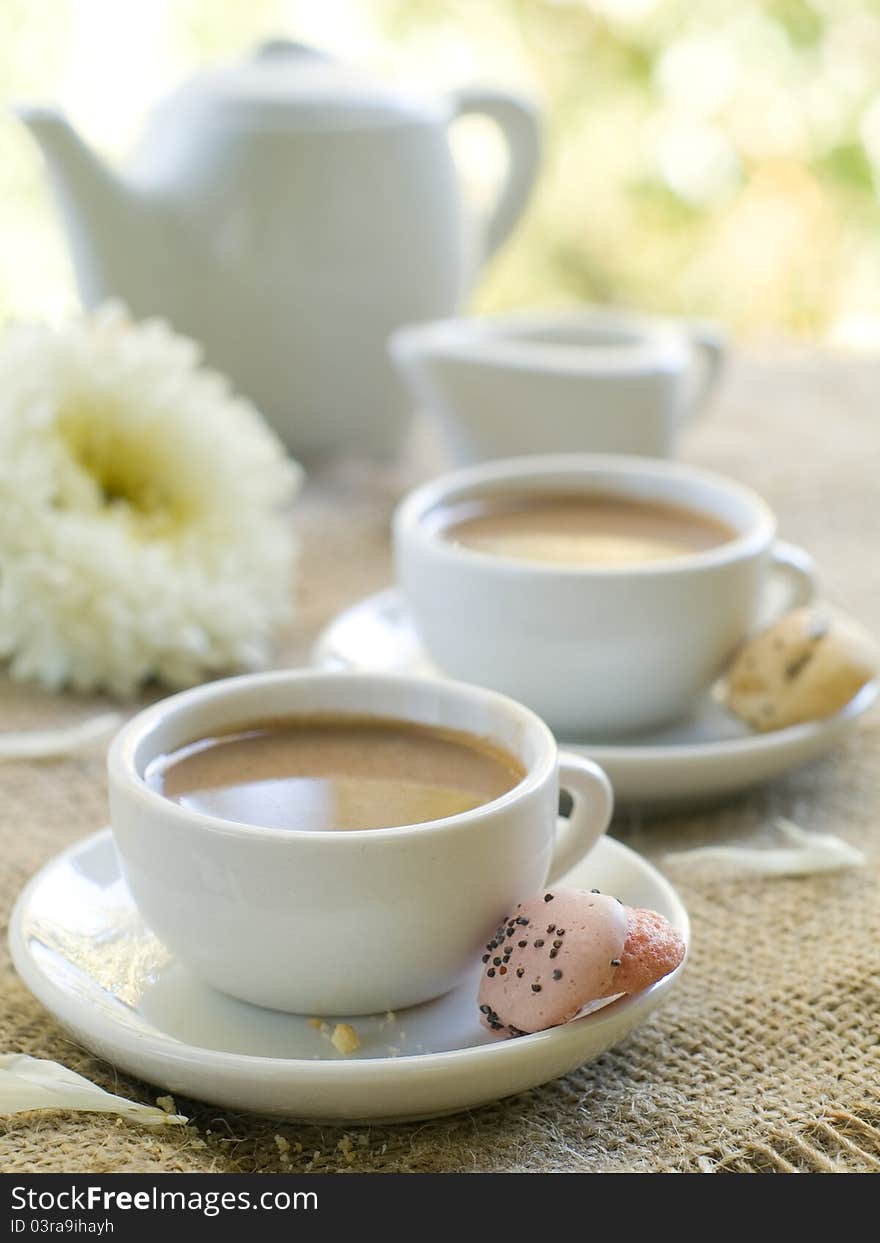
(80, 946)
(703, 759)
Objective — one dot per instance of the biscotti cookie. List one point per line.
(806, 666)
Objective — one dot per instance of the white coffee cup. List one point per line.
(597, 651)
(601, 381)
(353, 922)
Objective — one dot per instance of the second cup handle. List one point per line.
(793, 569)
(593, 802)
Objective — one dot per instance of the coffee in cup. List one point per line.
(334, 773)
(576, 528)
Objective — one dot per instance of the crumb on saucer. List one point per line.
(345, 1039)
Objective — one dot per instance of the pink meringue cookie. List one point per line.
(565, 949)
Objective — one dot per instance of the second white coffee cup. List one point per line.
(596, 650)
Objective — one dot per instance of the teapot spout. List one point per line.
(94, 202)
(77, 173)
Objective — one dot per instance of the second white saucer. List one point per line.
(705, 758)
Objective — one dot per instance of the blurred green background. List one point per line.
(718, 158)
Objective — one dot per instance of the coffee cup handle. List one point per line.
(709, 345)
(791, 582)
(593, 801)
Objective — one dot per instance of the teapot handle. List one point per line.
(518, 121)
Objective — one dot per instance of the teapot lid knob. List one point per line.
(283, 49)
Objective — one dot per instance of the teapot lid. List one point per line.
(288, 85)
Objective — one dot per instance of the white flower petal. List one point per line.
(807, 853)
(38, 744)
(34, 1083)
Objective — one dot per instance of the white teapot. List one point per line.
(288, 214)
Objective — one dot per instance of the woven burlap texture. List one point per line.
(767, 1056)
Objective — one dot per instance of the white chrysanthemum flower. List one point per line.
(142, 524)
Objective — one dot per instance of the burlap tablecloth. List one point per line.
(767, 1056)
